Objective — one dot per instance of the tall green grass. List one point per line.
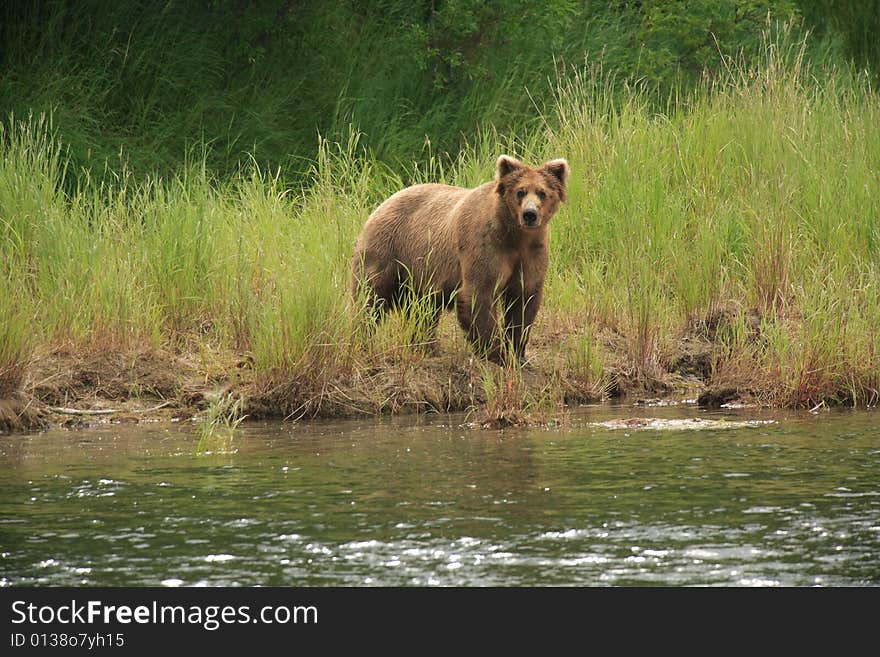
(755, 195)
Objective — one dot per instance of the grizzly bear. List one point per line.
(475, 248)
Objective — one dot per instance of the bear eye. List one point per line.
(520, 194)
(542, 195)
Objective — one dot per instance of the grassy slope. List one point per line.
(745, 220)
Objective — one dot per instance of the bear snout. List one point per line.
(530, 216)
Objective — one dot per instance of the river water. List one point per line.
(794, 500)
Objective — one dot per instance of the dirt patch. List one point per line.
(74, 386)
(693, 357)
(66, 376)
(18, 414)
(717, 396)
(432, 384)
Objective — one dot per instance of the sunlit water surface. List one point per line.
(430, 501)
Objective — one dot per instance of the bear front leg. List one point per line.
(476, 315)
(520, 309)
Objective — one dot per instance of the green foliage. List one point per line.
(217, 427)
(855, 24)
(16, 338)
(145, 87)
(680, 40)
(465, 41)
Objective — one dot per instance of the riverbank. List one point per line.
(69, 386)
(732, 242)
(74, 387)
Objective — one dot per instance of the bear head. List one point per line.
(532, 196)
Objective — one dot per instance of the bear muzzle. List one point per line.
(530, 215)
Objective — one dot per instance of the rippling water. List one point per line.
(429, 501)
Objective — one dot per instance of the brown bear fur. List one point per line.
(473, 247)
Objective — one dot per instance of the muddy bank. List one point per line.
(75, 387)
(19, 414)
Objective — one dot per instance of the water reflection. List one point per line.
(431, 502)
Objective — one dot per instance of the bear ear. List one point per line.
(507, 165)
(559, 169)
(504, 167)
